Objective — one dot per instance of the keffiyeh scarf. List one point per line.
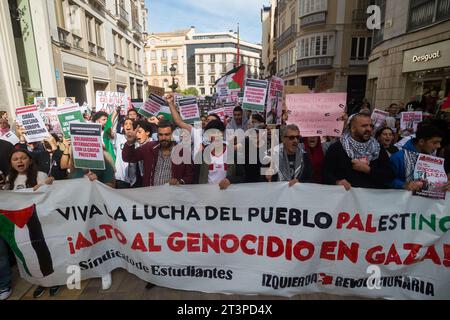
(357, 150)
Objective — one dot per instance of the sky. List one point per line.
(207, 16)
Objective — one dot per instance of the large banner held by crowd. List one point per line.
(264, 239)
(317, 114)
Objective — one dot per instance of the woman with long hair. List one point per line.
(24, 174)
(386, 138)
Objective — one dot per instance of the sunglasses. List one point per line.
(292, 138)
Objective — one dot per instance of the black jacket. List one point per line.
(338, 166)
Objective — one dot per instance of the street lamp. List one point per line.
(173, 71)
(261, 70)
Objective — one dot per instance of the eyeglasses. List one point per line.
(292, 138)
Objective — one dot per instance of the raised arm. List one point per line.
(176, 116)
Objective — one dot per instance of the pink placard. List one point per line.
(317, 114)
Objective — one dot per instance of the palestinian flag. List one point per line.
(24, 224)
(109, 146)
(445, 107)
(234, 79)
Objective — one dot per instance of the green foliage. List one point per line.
(190, 92)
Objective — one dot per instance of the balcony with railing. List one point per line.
(286, 37)
(100, 3)
(360, 16)
(92, 48)
(292, 69)
(427, 12)
(64, 38)
(100, 52)
(77, 42)
(122, 16)
(137, 28)
(315, 62)
(317, 18)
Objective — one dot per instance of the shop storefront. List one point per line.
(427, 70)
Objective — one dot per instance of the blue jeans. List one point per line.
(5, 269)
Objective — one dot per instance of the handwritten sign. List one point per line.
(87, 148)
(379, 118)
(109, 101)
(410, 120)
(317, 114)
(255, 95)
(274, 107)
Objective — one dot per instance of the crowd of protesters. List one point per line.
(142, 155)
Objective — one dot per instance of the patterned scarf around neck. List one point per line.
(358, 150)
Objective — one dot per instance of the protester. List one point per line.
(4, 115)
(427, 141)
(4, 126)
(294, 164)
(158, 167)
(315, 150)
(24, 174)
(386, 138)
(49, 160)
(358, 160)
(239, 120)
(133, 114)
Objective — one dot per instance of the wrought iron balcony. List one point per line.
(101, 3)
(360, 16)
(122, 16)
(424, 13)
(286, 37)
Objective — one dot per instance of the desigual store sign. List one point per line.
(436, 55)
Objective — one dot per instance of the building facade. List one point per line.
(411, 55)
(268, 22)
(324, 44)
(59, 48)
(202, 58)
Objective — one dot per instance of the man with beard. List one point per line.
(159, 168)
(358, 160)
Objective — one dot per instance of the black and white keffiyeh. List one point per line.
(357, 150)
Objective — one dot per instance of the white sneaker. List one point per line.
(5, 293)
(106, 281)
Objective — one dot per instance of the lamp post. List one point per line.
(173, 71)
(261, 70)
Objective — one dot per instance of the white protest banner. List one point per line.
(68, 114)
(30, 119)
(189, 110)
(274, 107)
(229, 108)
(379, 118)
(255, 93)
(410, 120)
(317, 114)
(108, 101)
(87, 149)
(152, 106)
(10, 137)
(430, 170)
(274, 240)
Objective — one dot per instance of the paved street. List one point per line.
(129, 287)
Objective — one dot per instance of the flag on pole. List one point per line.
(109, 146)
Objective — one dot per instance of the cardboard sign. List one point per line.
(189, 110)
(317, 114)
(430, 170)
(68, 114)
(108, 101)
(152, 106)
(31, 120)
(87, 145)
(255, 94)
(10, 137)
